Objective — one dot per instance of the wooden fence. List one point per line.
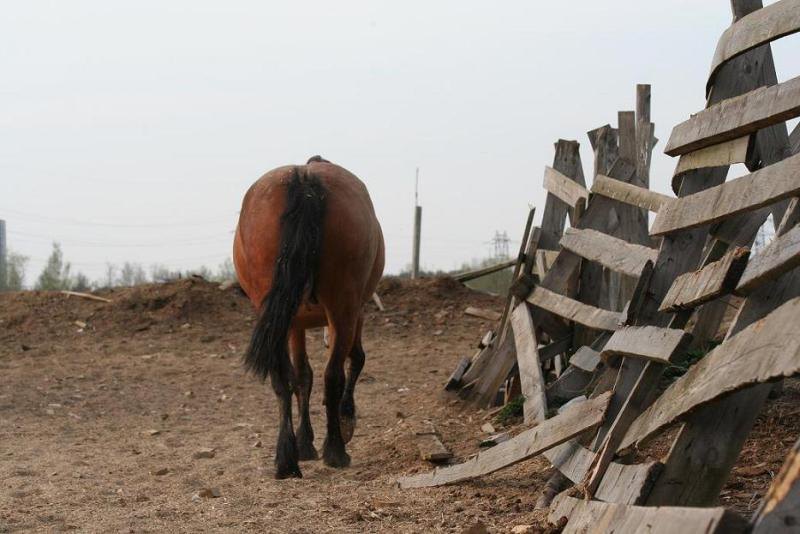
(599, 311)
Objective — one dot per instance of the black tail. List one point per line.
(295, 270)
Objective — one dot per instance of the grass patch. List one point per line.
(512, 410)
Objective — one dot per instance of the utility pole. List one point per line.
(417, 229)
(3, 257)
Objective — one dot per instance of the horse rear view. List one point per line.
(308, 252)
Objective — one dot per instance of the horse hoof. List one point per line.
(289, 471)
(336, 459)
(306, 452)
(347, 426)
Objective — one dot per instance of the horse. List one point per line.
(308, 252)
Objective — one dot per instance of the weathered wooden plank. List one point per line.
(586, 359)
(551, 350)
(727, 153)
(573, 310)
(756, 29)
(629, 193)
(649, 342)
(766, 350)
(594, 516)
(528, 444)
(690, 290)
(610, 252)
(747, 193)
(780, 256)
(429, 443)
(534, 407)
(488, 380)
(780, 509)
(564, 188)
(477, 273)
(736, 117)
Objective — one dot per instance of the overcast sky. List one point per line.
(130, 131)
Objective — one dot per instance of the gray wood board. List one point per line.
(574, 311)
(780, 256)
(736, 117)
(747, 193)
(530, 368)
(648, 342)
(610, 252)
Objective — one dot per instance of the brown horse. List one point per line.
(308, 252)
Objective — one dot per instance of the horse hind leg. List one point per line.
(304, 379)
(342, 334)
(348, 406)
(286, 456)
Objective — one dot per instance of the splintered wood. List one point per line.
(528, 444)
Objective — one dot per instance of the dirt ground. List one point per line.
(106, 412)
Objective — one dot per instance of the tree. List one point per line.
(15, 274)
(225, 271)
(55, 275)
(81, 283)
(160, 273)
(132, 274)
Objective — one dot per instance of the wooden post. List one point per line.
(417, 230)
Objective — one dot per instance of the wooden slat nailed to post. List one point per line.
(528, 444)
(690, 290)
(766, 350)
(715, 156)
(649, 342)
(593, 516)
(780, 508)
(736, 117)
(534, 408)
(610, 252)
(758, 28)
(573, 310)
(568, 191)
(747, 193)
(779, 257)
(629, 193)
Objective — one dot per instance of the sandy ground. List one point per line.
(105, 408)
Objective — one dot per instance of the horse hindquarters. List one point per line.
(294, 271)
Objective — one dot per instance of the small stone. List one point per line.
(80, 324)
(488, 428)
(523, 529)
(153, 432)
(258, 444)
(204, 453)
(160, 472)
(189, 394)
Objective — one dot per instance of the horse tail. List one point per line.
(294, 274)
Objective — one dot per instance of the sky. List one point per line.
(129, 131)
